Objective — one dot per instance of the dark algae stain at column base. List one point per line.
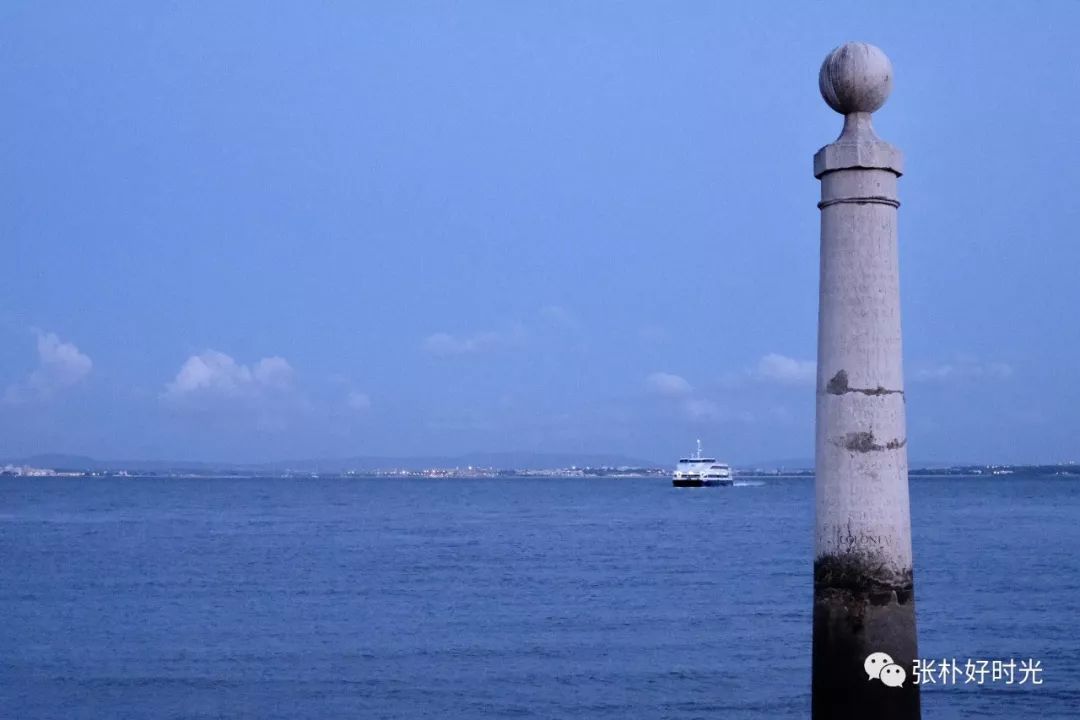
(860, 608)
(860, 574)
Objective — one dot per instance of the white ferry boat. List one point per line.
(698, 471)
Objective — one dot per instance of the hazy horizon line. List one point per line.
(475, 458)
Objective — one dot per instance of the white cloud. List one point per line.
(358, 401)
(668, 385)
(965, 369)
(547, 323)
(680, 395)
(273, 372)
(784, 370)
(214, 374)
(60, 366)
(443, 344)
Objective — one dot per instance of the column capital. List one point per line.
(855, 80)
(874, 155)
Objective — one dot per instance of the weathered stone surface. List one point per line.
(856, 77)
(868, 155)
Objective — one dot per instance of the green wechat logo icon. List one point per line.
(880, 666)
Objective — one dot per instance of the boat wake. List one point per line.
(749, 483)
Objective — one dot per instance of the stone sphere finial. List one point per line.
(856, 78)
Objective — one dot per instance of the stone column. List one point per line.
(863, 592)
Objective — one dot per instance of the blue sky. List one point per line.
(249, 231)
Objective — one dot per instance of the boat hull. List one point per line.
(695, 482)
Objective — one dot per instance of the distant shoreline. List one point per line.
(1065, 470)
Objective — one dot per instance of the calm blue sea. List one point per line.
(558, 598)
